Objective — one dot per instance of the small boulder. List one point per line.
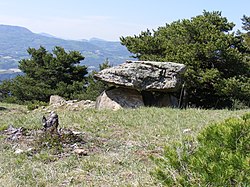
(56, 100)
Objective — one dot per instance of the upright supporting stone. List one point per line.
(118, 98)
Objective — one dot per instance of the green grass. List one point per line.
(118, 143)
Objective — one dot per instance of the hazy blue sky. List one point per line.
(110, 19)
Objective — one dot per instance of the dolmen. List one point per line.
(135, 84)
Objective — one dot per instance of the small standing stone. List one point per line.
(51, 123)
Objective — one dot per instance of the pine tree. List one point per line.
(47, 73)
(213, 54)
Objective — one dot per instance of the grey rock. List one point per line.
(118, 98)
(144, 75)
(14, 133)
(51, 124)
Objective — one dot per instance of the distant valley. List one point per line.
(15, 40)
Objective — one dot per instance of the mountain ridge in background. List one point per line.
(15, 40)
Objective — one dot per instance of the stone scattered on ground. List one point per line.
(57, 102)
(19, 151)
(80, 152)
(77, 105)
(14, 133)
(24, 140)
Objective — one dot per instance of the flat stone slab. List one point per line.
(144, 75)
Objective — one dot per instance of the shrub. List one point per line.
(219, 157)
(32, 105)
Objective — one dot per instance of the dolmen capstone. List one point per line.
(140, 83)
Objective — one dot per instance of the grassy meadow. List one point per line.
(118, 144)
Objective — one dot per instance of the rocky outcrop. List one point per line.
(118, 98)
(144, 75)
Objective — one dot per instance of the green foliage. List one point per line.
(95, 87)
(246, 27)
(55, 144)
(49, 142)
(53, 68)
(49, 74)
(246, 23)
(219, 157)
(238, 89)
(31, 105)
(93, 90)
(46, 74)
(205, 44)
